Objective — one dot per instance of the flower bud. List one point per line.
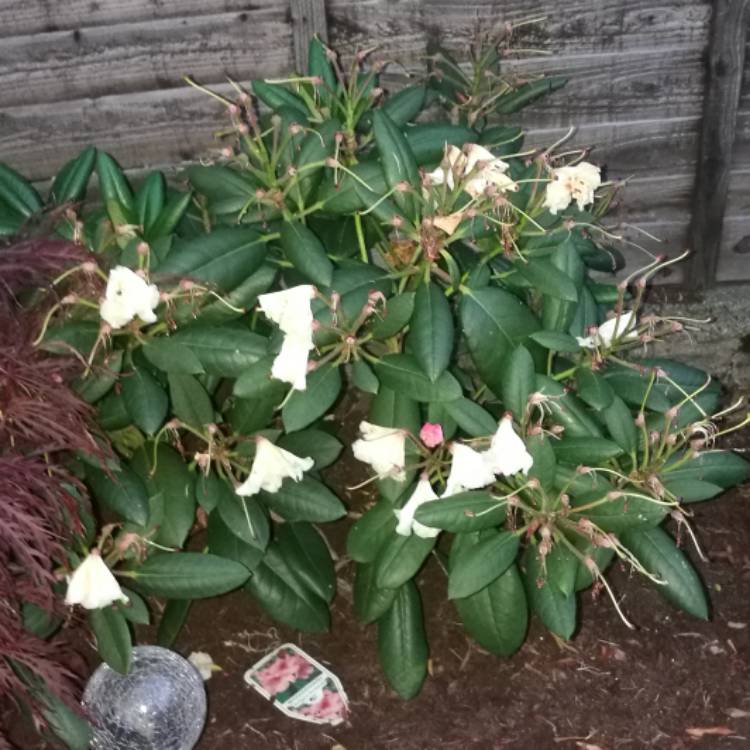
(227, 152)
(640, 420)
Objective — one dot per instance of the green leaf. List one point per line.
(115, 190)
(619, 513)
(224, 542)
(306, 500)
(304, 407)
(557, 313)
(81, 335)
(633, 387)
(472, 418)
(621, 425)
(67, 725)
(556, 610)
(176, 484)
(402, 373)
(73, 179)
(169, 217)
(517, 382)
(397, 160)
(256, 382)
(548, 279)
(276, 96)
(173, 618)
(693, 490)
(242, 297)
(285, 597)
(467, 511)
(150, 199)
(544, 467)
(527, 93)
(497, 616)
(430, 337)
(723, 468)
(144, 399)
(306, 253)
(112, 637)
(566, 409)
(494, 322)
(398, 312)
(169, 355)
(369, 533)
(100, 379)
(593, 389)
(180, 575)
(556, 341)
(244, 516)
(562, 568)
(370, 602)
(405, 104)
(402, 644)
(223, 350)
(656, 551)
(399, 558)
(190, 402)
(318, 65)
(136, 610)
(585, 450)
(477, 566)
(427, 140)
(223, 258)
(124, 493)
(305, 550)
(17, 193)
(363, 377)
(321, 446)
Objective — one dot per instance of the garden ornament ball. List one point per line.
(159, 705)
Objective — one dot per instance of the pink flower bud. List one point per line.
(533, 483)
(186, 285)
(332, 162)
(227, 152)
(431, 434)
(243, 129)
(143, 248)
(89, 267)
(233, 109)
(640, 420)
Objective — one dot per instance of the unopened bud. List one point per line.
(403, 187)
(291, 170)
(332, 162)
(316, 81)
(338, 137)
(640, 420)
(671, 439)
(397, 222)
(565, 500)
(654, 436)
(311, 365)
(187, 285)
(69, 299)
(233, 109)
(260, 194)
(557, 429)
(243, 129)
(533, 483)
(227, 152)
(143, 248)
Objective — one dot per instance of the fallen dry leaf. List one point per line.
(699, 732)
(737, 713)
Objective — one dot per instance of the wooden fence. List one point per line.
(656, 86)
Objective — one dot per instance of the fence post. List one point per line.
(308, 19)
(724, 67)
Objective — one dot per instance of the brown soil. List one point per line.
(673, 683)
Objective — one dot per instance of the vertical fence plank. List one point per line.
(308, 19)
(725, 65)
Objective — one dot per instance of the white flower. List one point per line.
(290, 364)
(576, 183)
(383, 448)
(406, 523)
(454, 161)
(128, 295)
(92, 584)
(203, 663)
(485, 169)
(614, 329)
(507, 454)
(470, 470)
(271, 466)
(290, 309)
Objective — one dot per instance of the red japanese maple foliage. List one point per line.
(42, 422)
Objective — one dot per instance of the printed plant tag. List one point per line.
(299, 686)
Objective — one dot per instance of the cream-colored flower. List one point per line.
(271, 466)
(577, 183)
(614, 329)
(507, 454)
(290, 309)
(127, 296)
(383, 448)
(453, 163)
(469, 470)
(485, 169)
(290, 364)
(92, 584)
(406, 523)
(204, 664)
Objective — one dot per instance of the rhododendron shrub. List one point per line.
(520, 425)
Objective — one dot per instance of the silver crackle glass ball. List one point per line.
(159, 705)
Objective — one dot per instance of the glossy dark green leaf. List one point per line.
(136, 610)
(472, 418)
(548, 279)
(123, 492)
(363, 377)
(399, 558)
(72, 180)
(17, 193)
(556, 341)
(517, 382)
(190, 402)
(306, 500)
(585, 450)
(321, 446)
(113, 641)
(115, 190)
(223, 350)
(431, 330)
(305, 550)
(477, 566)
(556, 610)
(621, 424)
(544, 467)
(145, 400)
(222, 540)
(398, 312)
(179, 575)
(169, 355)
(176, 484)
(285, 597)
(370, 532)
(306, 253)
(619, 513)
(304, 407)
(723, 468)
(402, 373)
(467, 511)
(100, 380)
(244, 516)
(402, 644)
(656, 551)
(593, 389)
(172, 620)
